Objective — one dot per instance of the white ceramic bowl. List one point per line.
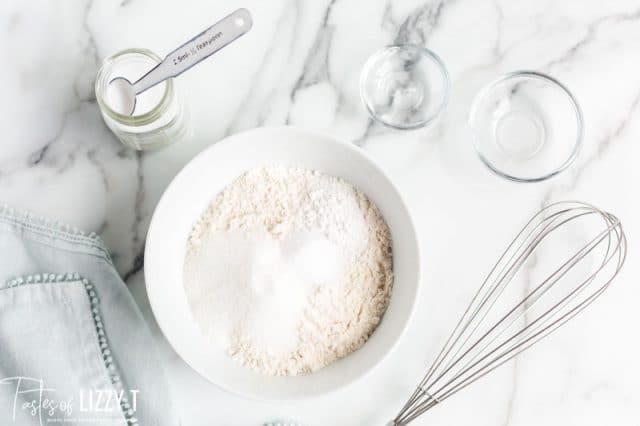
(188, 196)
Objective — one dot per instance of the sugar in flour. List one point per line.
(289, 269)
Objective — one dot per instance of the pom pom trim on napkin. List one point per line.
(94, 301)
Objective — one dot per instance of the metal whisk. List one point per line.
(479, 344)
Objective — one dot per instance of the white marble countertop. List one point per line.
(300, 66)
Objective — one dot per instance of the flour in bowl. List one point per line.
(289, 269)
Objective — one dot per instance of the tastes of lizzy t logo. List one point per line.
(30, 397)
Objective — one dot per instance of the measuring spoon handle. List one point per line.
(197, 49)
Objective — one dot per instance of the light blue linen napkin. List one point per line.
(74, 348)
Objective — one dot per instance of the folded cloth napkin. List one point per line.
(74, 347)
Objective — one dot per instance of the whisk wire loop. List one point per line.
(474, 349)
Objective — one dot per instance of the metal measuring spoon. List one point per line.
(184, 57)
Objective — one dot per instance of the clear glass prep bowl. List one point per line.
(526, 126)
(404, 87)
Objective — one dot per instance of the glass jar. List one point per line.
(159, 124)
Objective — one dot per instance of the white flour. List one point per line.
(289, 269)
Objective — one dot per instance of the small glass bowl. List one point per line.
(527, 126)
(404, 87)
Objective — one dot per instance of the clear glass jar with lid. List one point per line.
(159, 118)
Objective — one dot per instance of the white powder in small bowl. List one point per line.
(289, 269)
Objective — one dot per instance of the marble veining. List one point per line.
(300, 66)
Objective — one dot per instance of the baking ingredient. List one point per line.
(121, 93)
(289, 269)
(120, 98)
(261, 284)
